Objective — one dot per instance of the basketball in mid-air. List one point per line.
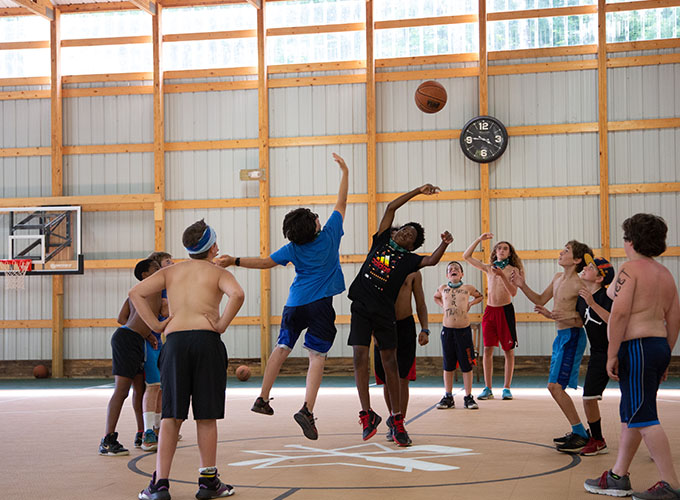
(41, 371)
(243, 373)
(430, 97)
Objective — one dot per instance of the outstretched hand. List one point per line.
(517, 279)
(485, 236)
(429, 189)
(544, 311)
(447, 238)
(224, 260)
(341, 163)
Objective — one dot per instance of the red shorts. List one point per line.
(498, 327)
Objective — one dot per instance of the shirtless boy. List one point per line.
(193, 361)
(498, 321)
(570, 342)
(373, 293)
(456, 299)
(406, 341)
(127, 344)
(643, 330)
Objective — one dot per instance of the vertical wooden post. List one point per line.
(158, 130)
(603, 126)
(263, 127)
(371, 175)
(485, 200)
(57, 143)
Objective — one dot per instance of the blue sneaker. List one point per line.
(507, 394)
(149, 441)
(485, 394)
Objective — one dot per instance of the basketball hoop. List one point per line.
(15, 272)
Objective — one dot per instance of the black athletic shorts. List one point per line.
(366, 322)
(128, 352)
(193, 367)
(596, 375)
(458, 349)
(406, 352)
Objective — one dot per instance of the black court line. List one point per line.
(575, 460)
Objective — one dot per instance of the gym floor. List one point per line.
(51, 431)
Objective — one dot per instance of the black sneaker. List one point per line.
(305, 419)
(446, 403)
(574, 444)
(157, 490)
(110, 447)
(262, 406)
(390, 429)
(369, 420)
(212, 487)
(399, 431)
(562, 439)
(139, 439)
(470, 402)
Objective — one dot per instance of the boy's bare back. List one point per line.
(195, 289)
(136, 323)
(654, 297)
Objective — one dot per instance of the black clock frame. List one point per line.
(493, 157)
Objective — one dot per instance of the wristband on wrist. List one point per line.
(237, 261)
(425, 331)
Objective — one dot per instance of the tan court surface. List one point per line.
(502, 451)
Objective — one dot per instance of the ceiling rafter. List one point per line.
(43, 8)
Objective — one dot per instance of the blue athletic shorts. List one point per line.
(567, 352)
(152, 374)
(642, 363)
(317, 317)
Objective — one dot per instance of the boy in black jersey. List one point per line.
(593, 306)
(373, 294)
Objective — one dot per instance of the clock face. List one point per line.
(483, 139)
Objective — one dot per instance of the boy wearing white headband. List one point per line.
(193, 362)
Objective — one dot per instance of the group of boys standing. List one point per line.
(193, 360)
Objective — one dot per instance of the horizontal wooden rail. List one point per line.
(90, 200)
(20, 152)
(209, 35)
(574, 50)
(211, 145)
(641, 5)
(210, 73)
(25, 45)
(575, 10)
(316, 29)
(311, 67)
(178, 88)
(402, 76)
(108, 91)
(543, 67)
(108, 77)
(422, 60)
(117, 40)
(16, 82)
(316, 80)
(626, 62)
(25, 94)
(425, 21)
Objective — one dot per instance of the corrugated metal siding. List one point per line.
(644, 92)
(118, 235)
(105, 174)
(204, 116)
(25, 176)
(643, 156)
(317, 110)
(396, 109)
(667, 205)
(25, 122)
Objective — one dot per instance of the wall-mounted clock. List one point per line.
(483, 139)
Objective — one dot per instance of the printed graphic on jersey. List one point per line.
(381, 265)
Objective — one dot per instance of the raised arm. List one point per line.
(467, 255)
(124, 313)
(433, 260)
(421, 309)
(517, 279)
(341, 204)
(248, 262)
(234, 292)
(388, 216)
(140, 292)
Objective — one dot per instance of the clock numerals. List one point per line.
(483, 153)
(483, 139)
(498, 139)
(483, 126)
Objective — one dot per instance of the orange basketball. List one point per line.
(243, 373)
(430, 97)
(41, 371)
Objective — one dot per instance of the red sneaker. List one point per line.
(369, 420)
(594, 447)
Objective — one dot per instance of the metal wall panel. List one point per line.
(122, 119)
(198, 175)
(667, 205)
(544, 98)
(211, 116)
(25, 176)
(396, 109)
(644, 92)
(118, 235)
(311, 171)
(317, 110)
(24, 122)
(106, 174)
(25, 343)
(644, 156)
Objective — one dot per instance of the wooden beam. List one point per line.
(92, 200)
(97, 149)
(422, 60)
(212, 145)
(624, 62)
(545, 192)
(641, 4)
(209, 35)
(96, 42)
(19, 152)
(263, 153)
(255, 3)
(179, 88)
(277, 142)
(15, 82)
(669, 43)
(209, 73)
(103, 91)
(43, 8)
(316, 29)
(653, 123)
(57, 160)
(148, 6)
(74, 8)
(158, 130)
(603, 123)
(574, 50)
(25, 45)
(216, 203)
(14, 12)
(24, 94)
(316, 80)
(575, 10)
(371, 127)
(485, 199)
(401, 76)
(108, 77)
(311, 67)
(425, 21)
(543, 67)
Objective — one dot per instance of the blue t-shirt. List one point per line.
(317, 264)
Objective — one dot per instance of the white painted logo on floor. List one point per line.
(374, 456)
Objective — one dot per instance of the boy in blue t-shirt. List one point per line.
(315, 253)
